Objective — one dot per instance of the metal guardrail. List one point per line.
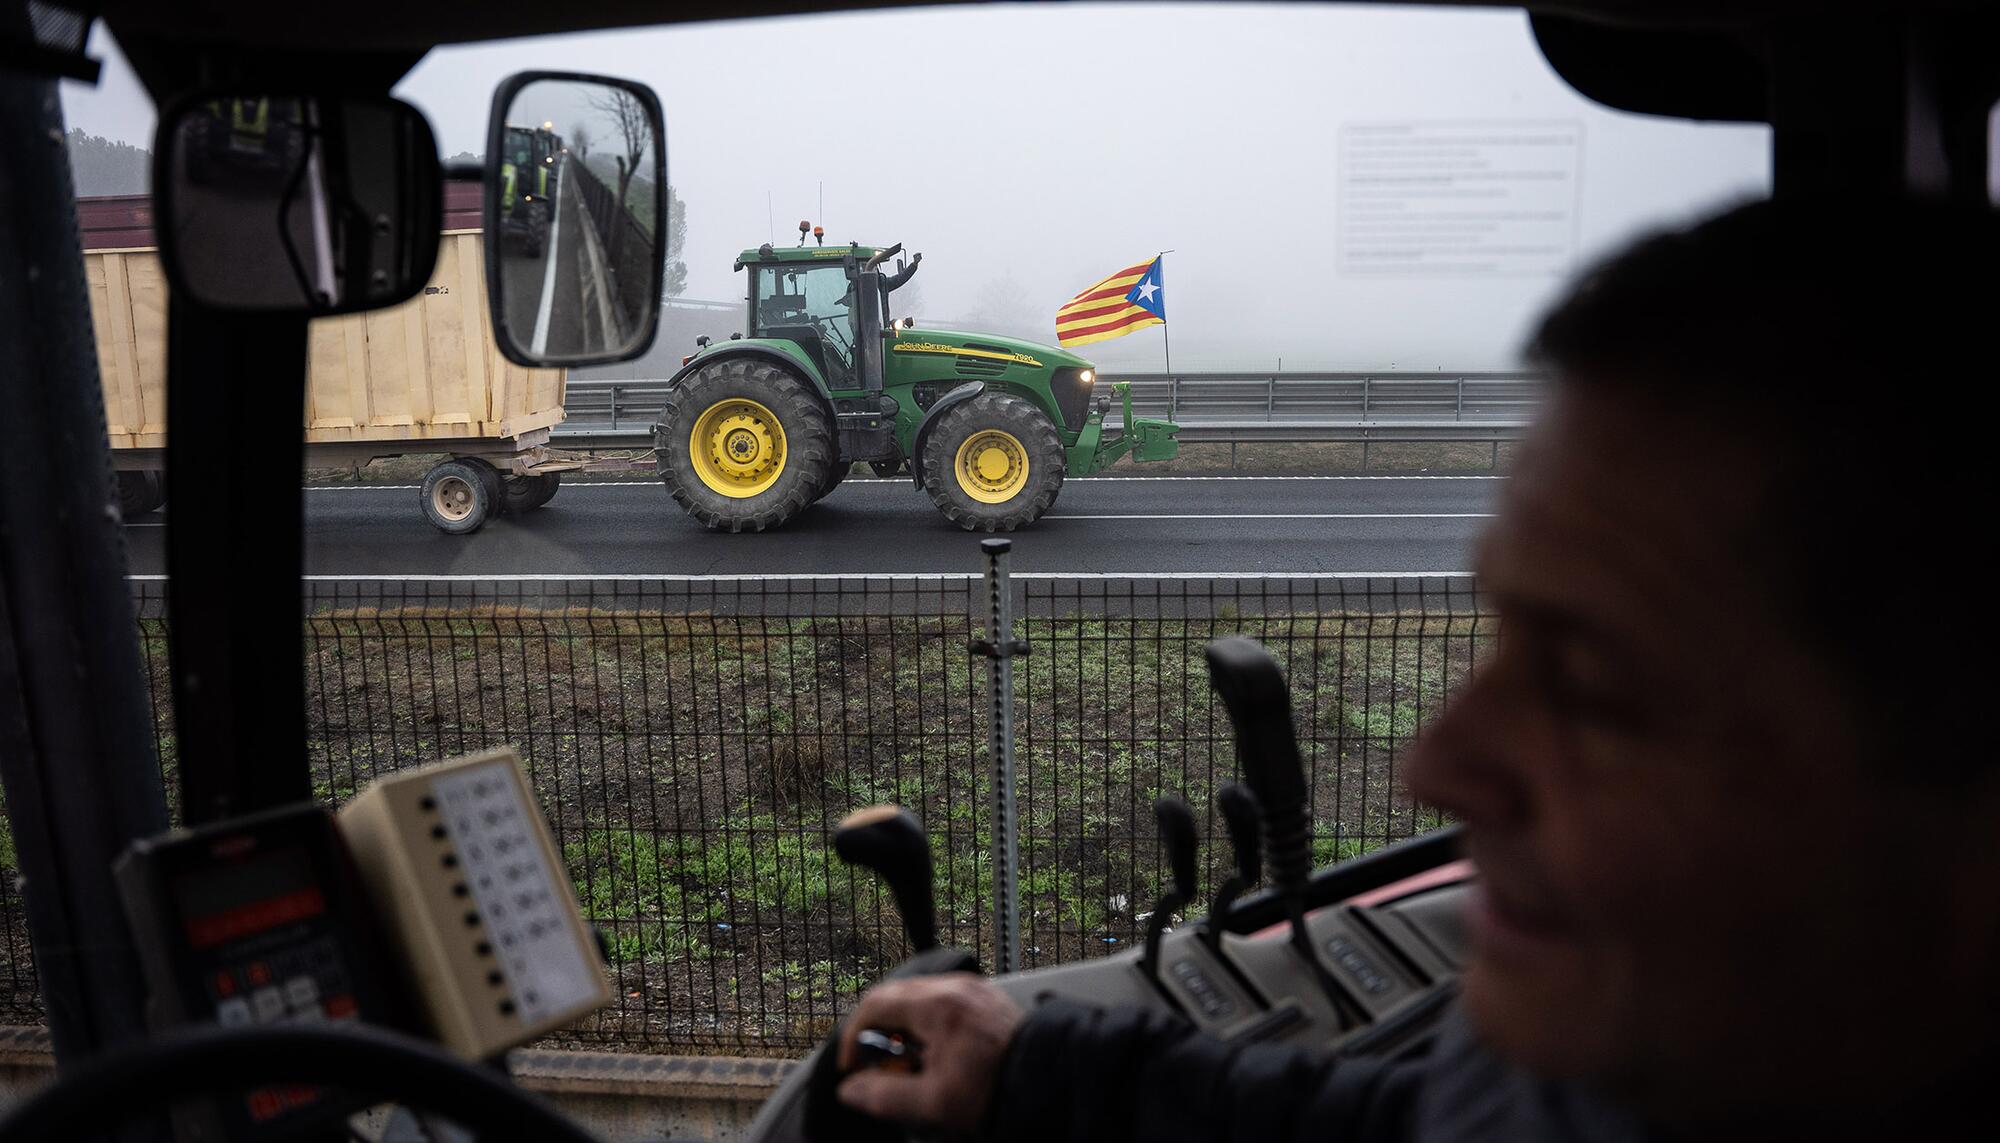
(1211, 407)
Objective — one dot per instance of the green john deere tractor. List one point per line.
(758, 428)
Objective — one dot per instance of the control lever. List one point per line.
(1246, 839)
(1252, 688)
(1177, 834)
(890, 841)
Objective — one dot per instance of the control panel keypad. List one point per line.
(297, 984)
(517, 910)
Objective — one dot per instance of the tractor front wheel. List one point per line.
(993, 464)
(744, 445)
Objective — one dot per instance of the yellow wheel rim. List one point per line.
(992, 466)
(738, 448)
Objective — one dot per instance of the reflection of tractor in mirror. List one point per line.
(529, 168)
(248, 143)
(758, 428)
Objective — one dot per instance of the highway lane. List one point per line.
(1099, 525)
(544, 294)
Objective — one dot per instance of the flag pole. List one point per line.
(1166, 339)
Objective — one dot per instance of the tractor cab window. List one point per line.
(810, 305)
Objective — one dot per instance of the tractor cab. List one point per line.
(832, 302)
(529, 169)
(807, 296)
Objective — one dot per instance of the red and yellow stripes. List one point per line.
(1102, 312)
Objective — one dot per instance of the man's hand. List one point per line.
(964, 1025)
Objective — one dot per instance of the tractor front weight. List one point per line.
(1146, 438)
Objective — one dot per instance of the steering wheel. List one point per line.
(378, 1065)
(833, 329)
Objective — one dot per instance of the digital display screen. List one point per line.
(228, 902)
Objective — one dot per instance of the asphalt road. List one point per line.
(545, 295)
(1144, 525)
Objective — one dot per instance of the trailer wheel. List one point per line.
(744, 444)
(527, 493)
(993, 464)
(461, 495)
(140, 493)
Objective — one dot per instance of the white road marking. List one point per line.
(541, 345)
(1278, 516)
(154, 524)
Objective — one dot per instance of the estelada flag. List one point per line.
(1133, 298)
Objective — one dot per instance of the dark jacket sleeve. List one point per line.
(1130, 1075)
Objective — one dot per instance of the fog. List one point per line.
(1028, 152)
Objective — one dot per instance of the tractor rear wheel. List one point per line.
(993, 463)
(835, 473)
(744, 444)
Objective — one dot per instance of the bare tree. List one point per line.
(631, 125)
(1003, 306)
(579, 140)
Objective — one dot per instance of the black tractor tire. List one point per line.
(836, 472)
(1028, 494)
(459, 496)
(527, 493)
(140, 492)
(802, 457)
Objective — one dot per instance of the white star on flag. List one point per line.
(1147, 289)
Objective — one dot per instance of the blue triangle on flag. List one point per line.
(1149, 293)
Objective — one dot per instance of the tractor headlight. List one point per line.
(1070, 386)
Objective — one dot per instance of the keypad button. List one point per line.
(233, 1013)
(301, 991)
(268, 1003)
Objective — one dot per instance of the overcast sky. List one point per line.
(1028, 151)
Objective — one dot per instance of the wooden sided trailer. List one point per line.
(421, 377)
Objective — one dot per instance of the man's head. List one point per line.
(1739, 843)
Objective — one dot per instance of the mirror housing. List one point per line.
(295, 204)
(575, 215)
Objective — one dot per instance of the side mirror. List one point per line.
(575, 216)
(277, 203)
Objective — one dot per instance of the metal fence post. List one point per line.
(1000, 647)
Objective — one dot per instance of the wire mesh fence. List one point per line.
(693, 742)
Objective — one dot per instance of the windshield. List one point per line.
(810, 306)
(1219, 322)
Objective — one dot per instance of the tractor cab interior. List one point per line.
(139, 895)
(811, 306)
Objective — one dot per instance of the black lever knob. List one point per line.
(890, 841)
(1253, 690)
(1246, 834)
(1177, 834)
